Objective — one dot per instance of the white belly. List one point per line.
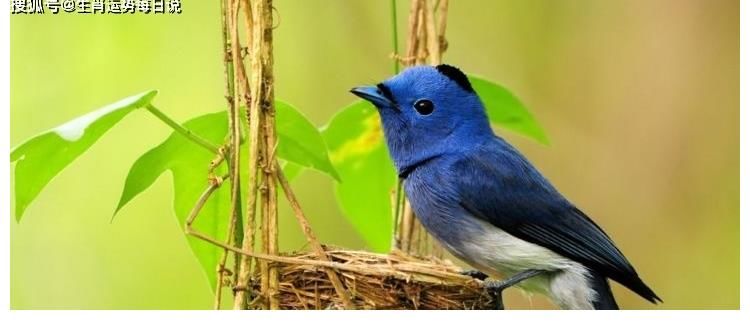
(499, 254)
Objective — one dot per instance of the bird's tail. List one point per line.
(604, 298)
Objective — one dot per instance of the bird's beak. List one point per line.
(374, 95)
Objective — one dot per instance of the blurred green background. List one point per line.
(639, 98)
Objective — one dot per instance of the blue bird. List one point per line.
(485, 202)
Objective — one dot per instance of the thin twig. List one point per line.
(396, 202)
(411, 50)
(422, 51)
(263, 191)
(394, 31)
(231, 114)
(311, 239)
(397, 270)
(433, 44)
(442, 21)
(182, 130)
(234, 119)
(212, 186)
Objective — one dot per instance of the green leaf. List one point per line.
(506, 110)
(188, 164)
(42, 157)
(358, 152)
(300, 141)
(300, 144)
(291, 170)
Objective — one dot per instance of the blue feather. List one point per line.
(461, 179)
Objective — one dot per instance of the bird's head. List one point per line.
(427, 111)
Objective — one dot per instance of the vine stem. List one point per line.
(442, 9)
(397, 202)
(394, 30)
(245, 264)
(255, 25)
(227, 60)
(234, 150)
(182, 130)
(412, 47)
(431, 36)
(270, 195)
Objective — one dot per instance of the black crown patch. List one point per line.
(453, 73)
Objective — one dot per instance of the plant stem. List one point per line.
(229, 95)
(182, 130)
(221, 267)
(442, 8)
(234, 137)
(431, 36)
(412, 45)
(269, 194)
(311, 239)
(394, 29)
(257, 23)
(398, 196)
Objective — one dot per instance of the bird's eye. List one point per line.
(424, 107)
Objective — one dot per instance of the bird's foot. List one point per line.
(495, 287)
(475, 274)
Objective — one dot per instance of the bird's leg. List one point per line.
(475, 274)
(497, 287)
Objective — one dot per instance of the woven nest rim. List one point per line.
(373, 281)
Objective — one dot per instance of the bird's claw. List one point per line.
(475, 274)
(496, 288)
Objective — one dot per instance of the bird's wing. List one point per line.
(501, 187)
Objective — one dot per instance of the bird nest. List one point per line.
(376, 281)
